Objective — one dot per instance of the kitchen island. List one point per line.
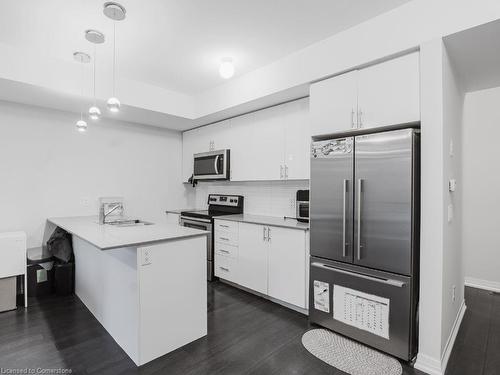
(146, 284)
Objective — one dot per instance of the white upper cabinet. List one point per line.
(297, 140)
(380, 95)
(266, 145)
(287, 265)
(257, 147)
(389, 93)
(334, 104)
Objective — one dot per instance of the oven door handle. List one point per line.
(194, 221)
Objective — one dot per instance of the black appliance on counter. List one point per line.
(302, 206)
(218, 205)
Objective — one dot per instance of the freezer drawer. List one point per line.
(372, 307)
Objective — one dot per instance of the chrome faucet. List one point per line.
(103, 214)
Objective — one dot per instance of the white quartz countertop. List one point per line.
(108, 236)
(277, 221)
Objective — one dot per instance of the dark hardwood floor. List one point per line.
(246, 335)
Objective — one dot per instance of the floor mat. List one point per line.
(347, 355)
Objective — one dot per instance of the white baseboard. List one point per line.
(453, 336)
(433, 366)
(493, 286)
(428, 364)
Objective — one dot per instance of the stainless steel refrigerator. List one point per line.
(364, 222)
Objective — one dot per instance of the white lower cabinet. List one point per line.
(252, 257)
(266, 259)
(286, 265)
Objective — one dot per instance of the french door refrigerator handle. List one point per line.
(360, 183)
(344, 254)
(391, 282)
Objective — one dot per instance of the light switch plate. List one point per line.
(450, 213)
(452, 185)
(145, 256)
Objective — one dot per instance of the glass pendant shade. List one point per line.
(94, 113)
(113, 104)
(81, 126)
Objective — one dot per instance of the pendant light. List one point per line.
(95, 37)
(82, 58)
(116, 12)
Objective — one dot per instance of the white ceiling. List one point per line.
(177, 45)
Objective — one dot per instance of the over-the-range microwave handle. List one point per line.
(216, 164)
(391, 282)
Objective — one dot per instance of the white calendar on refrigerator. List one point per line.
(361, 310)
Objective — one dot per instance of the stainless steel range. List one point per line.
(218, 205)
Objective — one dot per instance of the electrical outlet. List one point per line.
(453, 293)
(85, 201)
(145, 257)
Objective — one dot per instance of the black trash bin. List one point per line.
(40, 280)
(61, 247)
(64, 282)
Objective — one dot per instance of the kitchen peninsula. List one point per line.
(146, 284)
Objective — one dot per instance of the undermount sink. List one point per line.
(129, 223)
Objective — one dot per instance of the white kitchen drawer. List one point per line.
(229, 226)
(226, 237)
(225, 268)
(227, 250)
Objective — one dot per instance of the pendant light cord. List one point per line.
(95, 54)
(114, 57)
(81, 112)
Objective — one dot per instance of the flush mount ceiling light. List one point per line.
(116, 12)
(226, 68)
(95, 37)
(82, 58)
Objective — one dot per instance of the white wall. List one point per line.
(49, 169)
(269, 198)
(440, 250)
(453, 275)
(481, 186)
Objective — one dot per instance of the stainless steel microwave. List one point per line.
(213, 165)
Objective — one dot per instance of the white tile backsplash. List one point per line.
(270, 198)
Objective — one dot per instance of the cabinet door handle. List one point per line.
(281, 172)
(360, 118)
(286, 172)
(224, 251)
(223, 226)
(352, 118)
(224, 238)
(224, 268)
(268, 234)
(263, 233)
